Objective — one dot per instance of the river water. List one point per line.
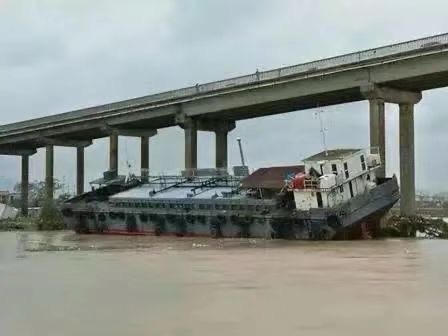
(64, 284)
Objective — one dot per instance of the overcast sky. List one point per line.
(60, 55)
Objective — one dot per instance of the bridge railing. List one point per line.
(411, 47)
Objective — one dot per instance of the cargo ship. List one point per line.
(333, 194)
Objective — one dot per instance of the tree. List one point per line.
(37, 191)
(50, 217)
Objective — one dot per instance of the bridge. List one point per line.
(396, 74)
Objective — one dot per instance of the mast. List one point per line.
(241, 152)
(323, 131)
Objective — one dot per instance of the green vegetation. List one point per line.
(19, 224)
(398, 226)
(37, 193)
(50, 217)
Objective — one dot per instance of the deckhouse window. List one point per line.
(363, 162)
(347, 175)
(334, 169)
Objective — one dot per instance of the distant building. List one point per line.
(7, 197)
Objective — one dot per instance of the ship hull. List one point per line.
(314, 224)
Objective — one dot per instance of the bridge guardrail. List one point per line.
(424, 44)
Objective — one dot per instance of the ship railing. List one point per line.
(188, 204)
(168, 181)
(333, 188)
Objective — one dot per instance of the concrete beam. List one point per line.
(18, 151)
(49, 172)
(25, 185)
(64, 142)
(129, 132)
(407, 160)
(214, 125)
(378, 132)
(390, 95)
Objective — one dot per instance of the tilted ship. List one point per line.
(334, 194)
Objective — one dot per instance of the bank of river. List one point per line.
(59, 283)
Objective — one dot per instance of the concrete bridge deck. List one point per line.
(395, 73)
(415, 66)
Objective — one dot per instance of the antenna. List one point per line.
(323, 130)
(241, 151)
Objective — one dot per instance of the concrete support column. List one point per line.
(221, 149)
(191, 145)
(144, 156)
(79, 170)
(25, 184)
(113, 153)
(378, 131)
(407, 160)
(49, 172)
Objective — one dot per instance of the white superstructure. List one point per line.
(334, 176)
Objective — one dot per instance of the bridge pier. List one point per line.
(378, 131)
(407, 160)
(144, 156)
(113, 152)
(406, 101)
(25, 155)
(25, 185)
(221, 149)
(191, 126)
(191, 145)
(222, 129)
(49, 171)
(144, 153)
(142, 134)
(79, 170)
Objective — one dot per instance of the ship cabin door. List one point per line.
(319, 200)
(350, 185)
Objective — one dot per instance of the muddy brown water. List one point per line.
(64, 284)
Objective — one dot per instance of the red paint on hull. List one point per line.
(149, 233)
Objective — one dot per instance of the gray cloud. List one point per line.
(59, 55)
